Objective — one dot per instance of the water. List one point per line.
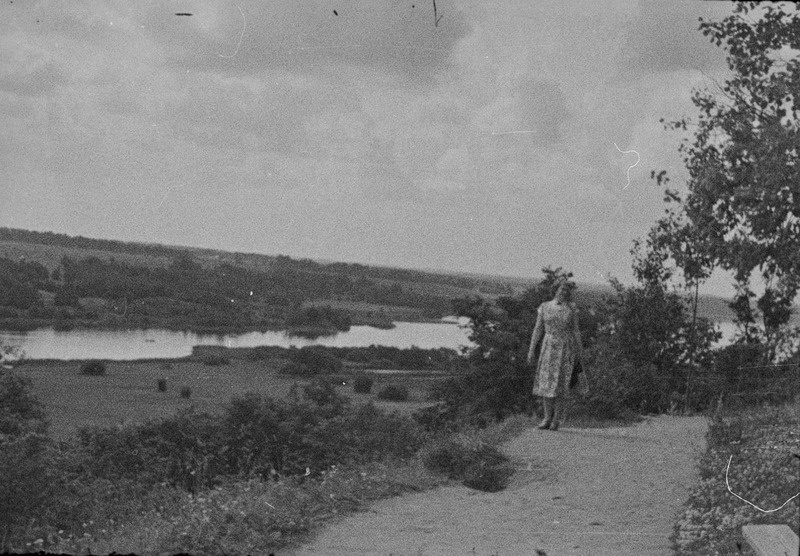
(48, 343)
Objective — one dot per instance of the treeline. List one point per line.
(80, 242)
(186, 294)
(372, 281)
(319, 360)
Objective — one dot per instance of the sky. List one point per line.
(507, 136)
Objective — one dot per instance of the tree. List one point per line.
(742, 207)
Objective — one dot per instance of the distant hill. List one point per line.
(234, 290)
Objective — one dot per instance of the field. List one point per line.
(128, 393)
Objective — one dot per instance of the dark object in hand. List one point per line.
(576, 370)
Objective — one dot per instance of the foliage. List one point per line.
(362, 384)
(649, 328)
(393, 393)
(20, 411)
(94, 367)
(498, 381)
(311, 361)
(23, 481)
(743, 200)
(759, 444)
(215, 360)
(477, 464)
(322, 317)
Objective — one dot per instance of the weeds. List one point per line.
(393, 393)
(93, 368)
(762, 442)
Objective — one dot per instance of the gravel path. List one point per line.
(612, 491)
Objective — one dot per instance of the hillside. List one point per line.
(57, 280)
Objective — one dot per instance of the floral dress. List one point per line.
(557, 329)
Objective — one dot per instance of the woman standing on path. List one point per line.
(557, 330)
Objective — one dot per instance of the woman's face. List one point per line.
(562, 293)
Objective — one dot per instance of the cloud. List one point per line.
(252, 36)
(664, 37)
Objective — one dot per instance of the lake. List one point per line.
(47, 343)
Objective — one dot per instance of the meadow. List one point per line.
(129, 394)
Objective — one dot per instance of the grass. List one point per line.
(762, 442)
(127, 394)
(247, 517)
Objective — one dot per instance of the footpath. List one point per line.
(601, 491)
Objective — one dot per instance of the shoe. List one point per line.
(544, 425)
(554, 426)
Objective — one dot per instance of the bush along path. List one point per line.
(614, 491)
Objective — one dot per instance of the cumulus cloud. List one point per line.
(252, 36)
(664, 37)
(371, 136)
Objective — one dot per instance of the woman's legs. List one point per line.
(548, 413)
(558, 412)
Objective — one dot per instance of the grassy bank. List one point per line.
(763, 446)
(258, 474)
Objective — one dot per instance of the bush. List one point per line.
(323, 393)
(186, 392)
(478, 465)
(381, 364)
(93, 368)
(367, 434)
(362, 384)
(393, 393)
(216, 360)
(297, 369)
(316, 359)
(20, 411)
(736, 363)
(162, 384)
(24, 484)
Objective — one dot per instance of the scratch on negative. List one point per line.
(241, 36)
(628, 172)
(743, 500)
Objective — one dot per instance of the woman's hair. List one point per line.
(568, 284)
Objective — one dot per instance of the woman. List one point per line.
(557, 331)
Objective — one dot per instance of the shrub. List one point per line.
(478, 465)
(323, 393)
(24, 483)
(316, 359)
(297, 369)
(162, 384)
(186, 392)
(362, 384)
(381, 364)
(93, 368)
(620, 386)
(216, 360)
(393, 393)
(366, 434)
(20, 410)
(736, 363)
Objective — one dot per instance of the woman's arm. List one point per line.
(576, 331)
(538, 332)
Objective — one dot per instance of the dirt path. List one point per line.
(611, 491)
